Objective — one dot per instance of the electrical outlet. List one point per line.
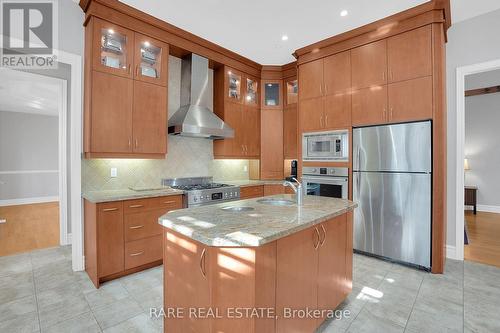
(245, 168)
(3, 220)
(114, 172)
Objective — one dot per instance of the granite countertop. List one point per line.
(213, 226)
(127, 194)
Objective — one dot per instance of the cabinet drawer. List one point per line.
(138, 205)
(143, 251)
(251, 192)
(143, 224)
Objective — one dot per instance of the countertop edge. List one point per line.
(96, 199)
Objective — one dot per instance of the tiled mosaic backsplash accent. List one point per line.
(187, 157)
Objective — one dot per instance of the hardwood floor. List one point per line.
(484, 238)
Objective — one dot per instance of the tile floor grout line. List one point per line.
(35, 293)
(414, 302)
(463, 295)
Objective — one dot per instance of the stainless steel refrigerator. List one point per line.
(392, 177)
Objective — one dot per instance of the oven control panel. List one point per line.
(326, 171)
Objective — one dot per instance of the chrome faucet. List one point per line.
(298, 189)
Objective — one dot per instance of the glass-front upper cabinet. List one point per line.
(151, 57)
(292, 92)
(272, 96)
(233, 88)
(114, 52)
(251, 91)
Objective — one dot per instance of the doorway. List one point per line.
(477, 205)
(33, 189)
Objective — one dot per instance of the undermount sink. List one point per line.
(238, 208)
(276, 202)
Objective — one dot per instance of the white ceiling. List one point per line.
(29, 93)
(254, 28)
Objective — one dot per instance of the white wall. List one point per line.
(482, 147)
(469, 42)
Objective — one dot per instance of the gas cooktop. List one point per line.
(194, 187)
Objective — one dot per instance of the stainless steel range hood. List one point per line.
(194, 118)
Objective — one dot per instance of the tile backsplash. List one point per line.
(187, 157)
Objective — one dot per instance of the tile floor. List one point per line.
(40, 293)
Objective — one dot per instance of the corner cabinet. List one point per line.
(125, 93)
(237, 102)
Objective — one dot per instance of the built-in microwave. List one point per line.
(326, 146)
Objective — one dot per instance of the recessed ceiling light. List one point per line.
(284, 37)
(344, 13)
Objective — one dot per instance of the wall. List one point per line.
(187, 157)
(482, 116)
(469, 42)
(28, 142)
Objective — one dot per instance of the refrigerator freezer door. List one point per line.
(393, 218)
(400, 148)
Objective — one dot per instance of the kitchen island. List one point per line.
(249, 266)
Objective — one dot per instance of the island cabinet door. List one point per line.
(332, 263)
(186, 285)
(296, 280)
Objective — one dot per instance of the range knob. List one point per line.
(195, 199)
(314, 169)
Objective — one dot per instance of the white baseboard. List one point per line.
(451, 252)
(485, 208)
(27, 201)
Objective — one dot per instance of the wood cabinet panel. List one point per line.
(271, 164)
(251, 135)
(110, 249)
(149, 125)
(338, 110)
(290, 132)
(297, 271)
(186, 275)
(369, 106)
(369, 65)
(158, 65)
(248, 192)
(111, 118)
(337, 73)
(410, 54)
(143, 224)
(143, 251)
(272, 189)
(311, 79)
(311, 114)
(410, 100)
(332, 263)
(349, 254)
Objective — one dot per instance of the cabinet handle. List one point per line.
(390, 113)
(168, 202)
(383, 76)
(136, 70)
(202, 262)
(136, 143)
(136, 206)
(136, 254)
(316, 245)
(326, 120)
(129, 142)
(324, 235)
(326, 89)
(136, 227)
(320, 89)
(129, 69)
(321, 121)
(109, 209)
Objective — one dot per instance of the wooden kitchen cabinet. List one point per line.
(252, 89)
(188, 279)
(149, 121)
(249, 192)
(290, 119)
(410, 54)
(233, 85)
(113, 51)
(150, 60)
(311, 114)
(110, 238)
(271, 163)
(272, 94)
(111, 116)
(337, 110)
(125, 93)
(410, 100)
(251, 132)
(124, 237)
(291, 91)
(369, 65)
(297, 271)
(337, 73)
(369, 106)
(311, 79)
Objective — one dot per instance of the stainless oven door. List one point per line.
(333, 187)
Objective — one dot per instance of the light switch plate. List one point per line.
(3, 220)
(114, 172)
(245, 168)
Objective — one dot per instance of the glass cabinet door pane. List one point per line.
(150, 60)
(291, 92)
(251, 97)
(114, 49)
(234, 89)
(272, 94)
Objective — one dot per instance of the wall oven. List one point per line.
(326, 181)
(326, 146)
